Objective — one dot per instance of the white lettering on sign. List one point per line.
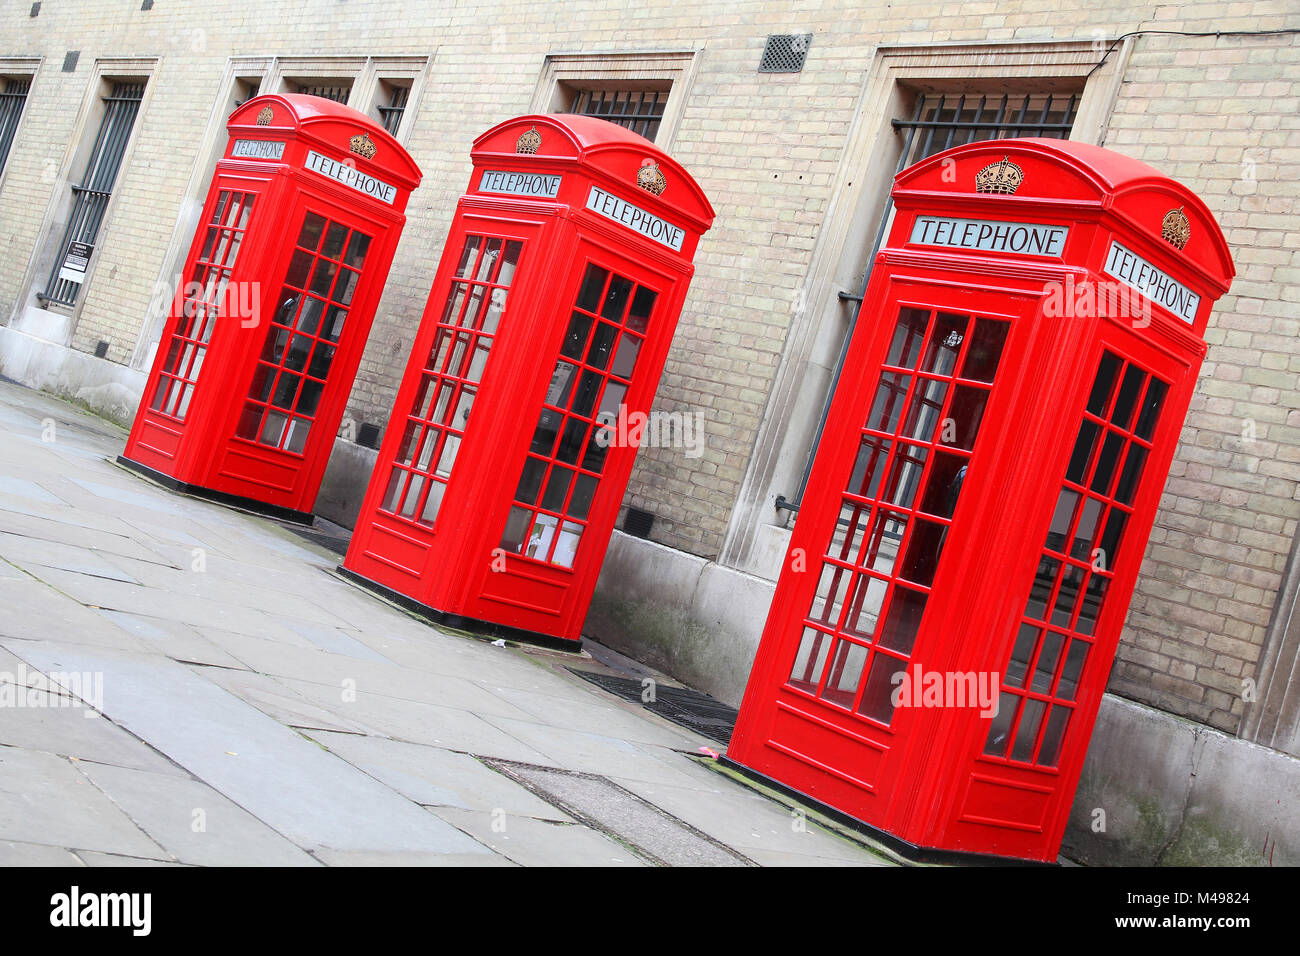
(1134, 271)
(634, 217)
(350, 176)
(1026, 238)
(257, 149)
(519, 184)
(76, 262)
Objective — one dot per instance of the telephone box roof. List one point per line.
(324, 121)
(1063, 173)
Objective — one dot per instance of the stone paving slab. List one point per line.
(288, 782)
(193, 822)
(35, 854)
(435, 777)
(45, 799)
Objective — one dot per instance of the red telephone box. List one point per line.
(278, 295)
(958, 576)
(552, 310)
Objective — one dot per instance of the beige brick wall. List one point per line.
(766, 149)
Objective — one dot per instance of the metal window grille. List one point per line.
(12, 101)
(245, 91)
(640, 111)
(785, 53)
(390, 116)
(939, 122)
(90, 198)
(339, 94)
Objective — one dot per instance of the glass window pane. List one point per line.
(601, 343)
(943, 485)
(924, 545)
(593, 284)
(468, 257)
(888, 406)
(845, 672)
(810, 659)
(557, 487)
(566, 547)
(575, 338)
(358, 246)
(1074, 661)
(1067, 596)
(313, 227)
(850, 528)
(1110, 537)
(1086, 530)
(1027, 732)
(516, 532)
(1092, 601)
(1129, 388)
(322, 280)
(1082, 453)
(598, 443)
(611, 401)
(966, 412)
(1048, 657)
(908, 335)
(643, 303)
(1102, 384)
(625, 357)
(902, 620)
(945, 344)
(1021, 654)
(985, 350)
(880, 545)
(1128, 478)
(616, 298)
(509, 262)
(585, 398)
(904, 475)
(924, 410)
(1107, 462)
(878, 694)
(322, 357)
(530, 482)
(868, 467)
(828, 599)
(1008, 707)
(299, 269)
(347, 286)
(1152, 402)
(865, 602)
(309, 399)
(1057, 721)
(584, 490)
(1041, 589)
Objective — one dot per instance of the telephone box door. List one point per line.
(287, 415)
(886, 525)
(580, 448)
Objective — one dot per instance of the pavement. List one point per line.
(182, 683)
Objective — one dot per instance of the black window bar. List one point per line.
(639, 111)
(390, 116)
(90, 199)
(940, 122)
(12, 101)
(339, 94)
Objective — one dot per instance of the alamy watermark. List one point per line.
(652, 430)
(1096, 298)
(36, 689)
(922, 688)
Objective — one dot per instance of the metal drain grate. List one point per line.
(652, 833)
(690, 708)
(785, 53)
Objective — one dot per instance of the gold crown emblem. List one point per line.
(1001, 177)
(264, 117)
(1175, 228)
(651, 178)
(529, 141)
(361, 145)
